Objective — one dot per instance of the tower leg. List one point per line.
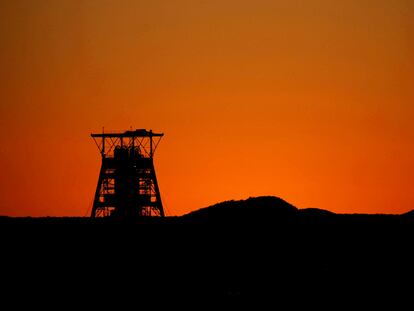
(98, 192)
(157, 190)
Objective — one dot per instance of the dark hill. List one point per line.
(317, 212)
(409, 215)
(265, 208)
(260, 249)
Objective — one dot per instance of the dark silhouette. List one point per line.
(260, 250)
(127, 184)
(260, 209)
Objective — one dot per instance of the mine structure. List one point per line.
(127, 184)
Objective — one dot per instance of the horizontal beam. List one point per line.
(136, 133)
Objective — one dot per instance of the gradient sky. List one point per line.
(311, 101)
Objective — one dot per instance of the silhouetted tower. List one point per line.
(127, 184)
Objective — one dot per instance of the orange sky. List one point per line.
(311, 101)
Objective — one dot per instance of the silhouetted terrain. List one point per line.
(260, 250)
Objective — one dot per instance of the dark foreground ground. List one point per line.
(261, 251)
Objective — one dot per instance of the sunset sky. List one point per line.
(311, 101)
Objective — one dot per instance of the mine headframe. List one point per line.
(127, 183)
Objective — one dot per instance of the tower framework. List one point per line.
(127, 183)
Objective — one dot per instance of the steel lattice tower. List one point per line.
(127, 184)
